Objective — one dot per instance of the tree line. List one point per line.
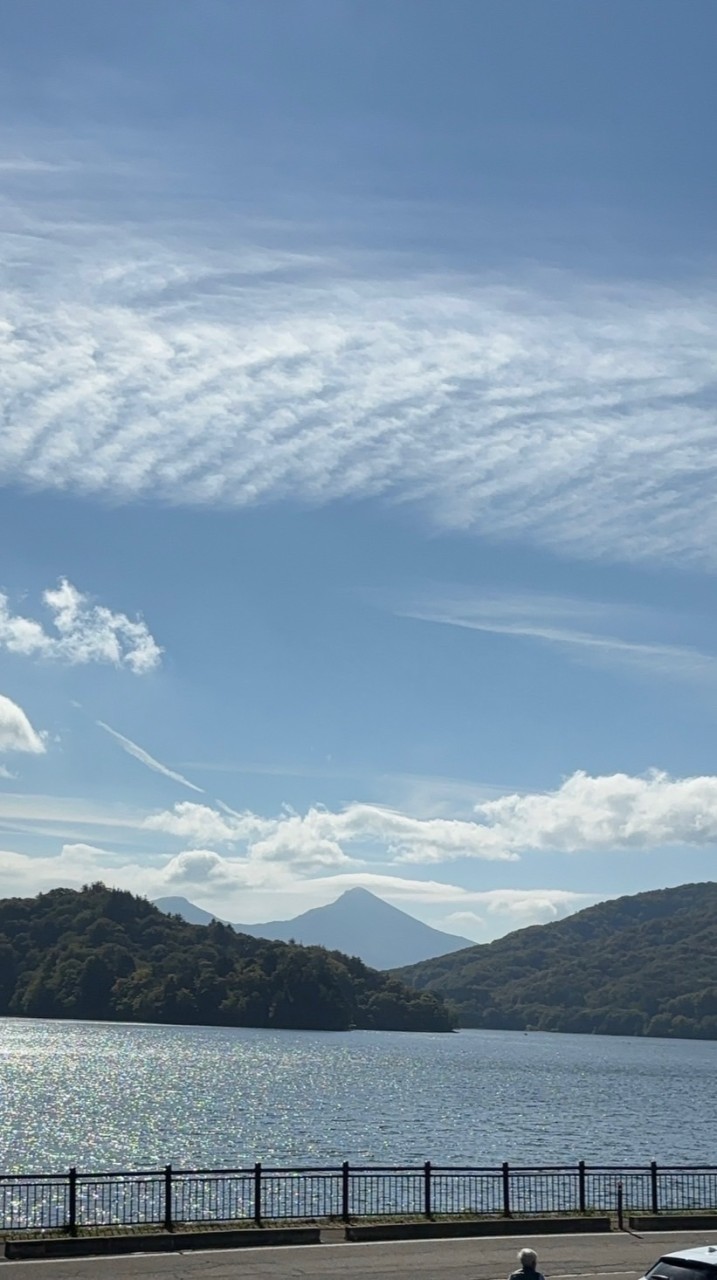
(644, 964)
(101, 953)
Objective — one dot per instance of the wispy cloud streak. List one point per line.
(581, 628)
(145, 758)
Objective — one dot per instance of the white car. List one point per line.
(686, 1264)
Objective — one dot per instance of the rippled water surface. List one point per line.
(103, 1095)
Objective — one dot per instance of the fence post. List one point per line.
(506, 1189)
(427, 1207)
(620, 1224)
(257, 1193)
(168, 1212)
(653, 1187)
(72, 1202)
(345, 1191)
(581, 1186)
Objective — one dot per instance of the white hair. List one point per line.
(527, 1257)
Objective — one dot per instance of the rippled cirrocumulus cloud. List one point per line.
(577, 417)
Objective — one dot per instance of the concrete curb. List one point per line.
(89, 1246)
(476, 1227)
(673, 1222)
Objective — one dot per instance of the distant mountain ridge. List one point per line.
(644, 964)
(358, 923)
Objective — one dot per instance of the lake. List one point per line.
(120, 1096)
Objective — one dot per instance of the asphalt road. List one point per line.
(578, 1257)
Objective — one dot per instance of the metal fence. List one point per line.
(170, 1197)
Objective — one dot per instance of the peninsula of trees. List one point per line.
(105, 954)
(639, 965)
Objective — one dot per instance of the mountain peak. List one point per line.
(358, 923)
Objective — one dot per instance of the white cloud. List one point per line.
(145, 758)
(520, 907)
(457, 920)
(244, 890)
(307, 840)
(577, 417)
(73, 866)
(530, 905)
(5, 773)
(578, 627)
(80, 863)
(222, 881)
(322, 851)
(400, 889)
(83, 850)
(196, 866)
(198, 824)
(85, 633)
(204, 872)
(617, 811)
(16, 732)
(318, 837)
(584, 814)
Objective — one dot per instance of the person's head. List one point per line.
(528, 1258)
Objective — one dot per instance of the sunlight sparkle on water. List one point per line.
(102, 1095)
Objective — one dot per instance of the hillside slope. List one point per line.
(104, 954)
(639, 965)
(358, 923)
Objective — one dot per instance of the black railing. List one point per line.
(166, 1198)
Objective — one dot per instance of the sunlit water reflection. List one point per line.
(103, 1095)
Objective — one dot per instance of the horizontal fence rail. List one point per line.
(168, 1197)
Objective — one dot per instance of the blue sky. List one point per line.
(358, 452)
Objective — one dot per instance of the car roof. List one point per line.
(701, 1253)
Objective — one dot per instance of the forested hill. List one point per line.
(639, 965)
(105, 954)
